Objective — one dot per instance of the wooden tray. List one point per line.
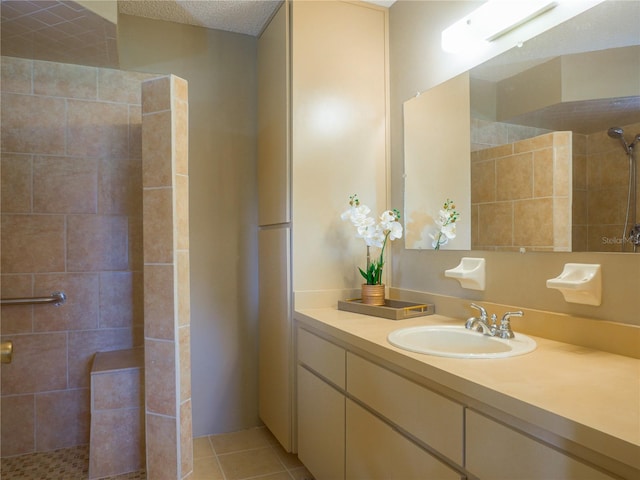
(392, 309)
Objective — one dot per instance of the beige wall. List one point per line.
(512, 278)
(71, 221)
(220, 69)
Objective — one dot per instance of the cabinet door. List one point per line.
(320, 427)
(376, 451)
(275, 363)
(494, 451)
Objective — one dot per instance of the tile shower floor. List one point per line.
(248, 454)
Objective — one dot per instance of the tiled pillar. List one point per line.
(166, 278)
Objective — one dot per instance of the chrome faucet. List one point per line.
(490, 326)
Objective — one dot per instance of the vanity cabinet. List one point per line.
(495, 451)
(356, 419)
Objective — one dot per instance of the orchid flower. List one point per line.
(447, 222)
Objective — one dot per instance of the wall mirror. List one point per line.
(532, 159)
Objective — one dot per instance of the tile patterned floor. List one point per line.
(248, 454)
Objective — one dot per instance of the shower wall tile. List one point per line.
(33, 124)
(533, 222)
(63, 80)
(535, 143)
(118, 389)
(579, 176)
(181, 141)
(606, 206)
(183, 288)
(159, 309)
(119, 186)
(180, 90)
(16, 75)
(84, 344)
(135, 132)
(97, 242)
(97, 129)
(157, 150)
(156, 95)
(120, 300)
(136, 241)
(495, 222)
(79, 312)
(561, 228)
(186, 439)
(184, 334)
(543, 173)
(18, 425)
(62, 419)
(65, 185)
(49, 352)
(120, 87)
(16, 183)
(160, 376)
(162, 459)
(16, 318)
(483, 186)
(182, 212)
(158, 228)
(32, 243)
(562, 171)
(514, 177)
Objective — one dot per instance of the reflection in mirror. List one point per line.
(547, 173)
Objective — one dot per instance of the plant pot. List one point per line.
(372, 294)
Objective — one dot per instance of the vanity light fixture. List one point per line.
(490, 21)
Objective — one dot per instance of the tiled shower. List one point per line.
(72, 221)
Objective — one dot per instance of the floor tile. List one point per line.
(250, 463)
(242, 440)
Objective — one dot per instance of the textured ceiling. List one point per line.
(241, 16)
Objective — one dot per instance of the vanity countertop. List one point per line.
(583, 395)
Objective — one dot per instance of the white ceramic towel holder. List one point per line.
(470, 273)
(579, 283)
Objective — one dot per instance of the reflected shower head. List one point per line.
(617, 132)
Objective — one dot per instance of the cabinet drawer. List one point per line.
(375, 451)
(430, 417)
(497, 452)
(324, 358)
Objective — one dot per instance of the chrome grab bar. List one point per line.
(57, 298)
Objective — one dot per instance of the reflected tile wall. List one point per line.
(520, 194)
(71, 179)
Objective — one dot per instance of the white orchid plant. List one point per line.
(374, 234)
(447, 225)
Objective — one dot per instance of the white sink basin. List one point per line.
(458, 342)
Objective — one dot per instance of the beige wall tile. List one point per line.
(117, 442)
(80, 310)
(18, 425)
(513, 177)
(48, 351)
(562, 224)
(157, 151)
(533, 225)
(120, 186)
(162, 459)
(120, 302)
(562, 170)
(16, 75)
(605, 238)
(16, 183)
(183, 292)
(180, 89)
(65, 185)
(65, 80)
(33, 124)
(62, 419)
(158, 225)
(579, 238)
(186, 439)
(120, 86)
(156, 95)
(543, 173)
(117, 389)
(97, 129)
(579, 208)
(535, 143)
(16, 318)
(159, 302)
(181, 137)
(32, 243)
(579, 176)
(493, 153)
(135, 131)
(483, 186)
(184, 354)
(97, 242)
(495, 222)
(181, 219)
(606, 206)
(136, 260)
(84, 344)
(160, 376)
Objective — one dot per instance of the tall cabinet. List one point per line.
(322, 136)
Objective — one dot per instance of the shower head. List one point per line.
(617, 132)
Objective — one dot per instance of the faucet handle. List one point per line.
(481, 309)
(504, 331)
